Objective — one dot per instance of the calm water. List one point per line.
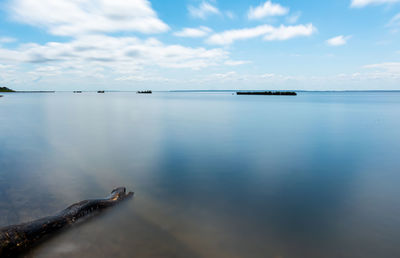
(215, 175)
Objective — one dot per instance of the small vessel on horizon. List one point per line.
(144, 92)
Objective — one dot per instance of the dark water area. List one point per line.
(214, 175)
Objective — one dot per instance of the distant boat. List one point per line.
(100, 91)
(77, 91)
(144, 92)
(272, 93)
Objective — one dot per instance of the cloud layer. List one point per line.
(77, 17)
(395, 21)
(112, 52)
(267, 9)
(390, 67)
(115, 40)
(363, 3)
(268, 32)
(203, 10)
(199, 32)
(338, 41)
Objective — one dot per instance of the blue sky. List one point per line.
(192, 44)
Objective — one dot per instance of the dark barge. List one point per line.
(270, 93)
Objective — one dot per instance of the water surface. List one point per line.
(215, 175)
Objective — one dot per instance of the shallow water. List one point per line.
(214, 175)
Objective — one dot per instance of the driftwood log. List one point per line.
(16, 239)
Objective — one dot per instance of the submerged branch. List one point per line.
(19, 238)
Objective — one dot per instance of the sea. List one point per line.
(214, 174)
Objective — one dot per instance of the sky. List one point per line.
(200, 44)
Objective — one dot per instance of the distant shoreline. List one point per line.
(208, 91)
(38, 91)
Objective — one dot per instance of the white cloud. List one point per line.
(338, 41)
(267, 75)
(288, 32)
(203, 10)
(118, 55)
(229, 36)
(287, 81)
(235, 63)
(363, 3)
(193, 32)
(387, 72)
(77, 17)
(7, 40)
(2, 66)
(254, 79)
(269, 32)
(230, 15)
(265, 10)
(143, 78)
(390, 67)
(395, 21)
(223, 76)
(293, 18)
